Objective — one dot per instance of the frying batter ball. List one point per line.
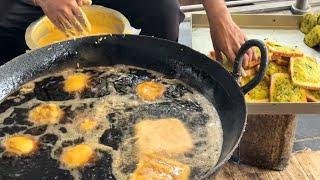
(88, 124)
(165, 136)
(20, 145)
(156, 167)
(46, 114)
(77, 156)
(76, 83)
(150, 91)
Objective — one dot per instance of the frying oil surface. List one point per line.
(105, 116)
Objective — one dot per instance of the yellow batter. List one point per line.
(46, 114)
(100, 24)
(150, 91)
(76, 83)
(57, 36)
(20, 145)
(77, 156)
(88, 125)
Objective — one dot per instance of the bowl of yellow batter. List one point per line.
(103, 21)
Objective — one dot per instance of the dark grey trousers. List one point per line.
(159, 18)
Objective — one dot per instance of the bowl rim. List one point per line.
(33, 26)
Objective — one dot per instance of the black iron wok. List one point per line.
(174, 60)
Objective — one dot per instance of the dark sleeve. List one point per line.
(30, 2)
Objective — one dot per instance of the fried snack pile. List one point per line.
(291, 76)
(310, 26)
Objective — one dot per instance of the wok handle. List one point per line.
(263, 63)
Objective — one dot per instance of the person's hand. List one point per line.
(227, 38)
(65, 14)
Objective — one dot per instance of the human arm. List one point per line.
(226, 36)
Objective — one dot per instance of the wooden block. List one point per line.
(309, 164)
(223, 173)
(248, 172)
(271, 175)
(302, 166)
(267, 141)
(294, 170)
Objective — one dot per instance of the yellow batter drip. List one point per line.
(77, 156)
(150, 91)
(76, 82)
(88, 124)
(20, 145)
(46, 114)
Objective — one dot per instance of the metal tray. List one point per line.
(281, 28)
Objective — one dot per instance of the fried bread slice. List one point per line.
(274, 57)
(250, 72)
(283, 90)
(253, 63)
(305, 72)
(260, 93)
(282, 62)
(273, 68)
(284, 51)
(313, 96)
